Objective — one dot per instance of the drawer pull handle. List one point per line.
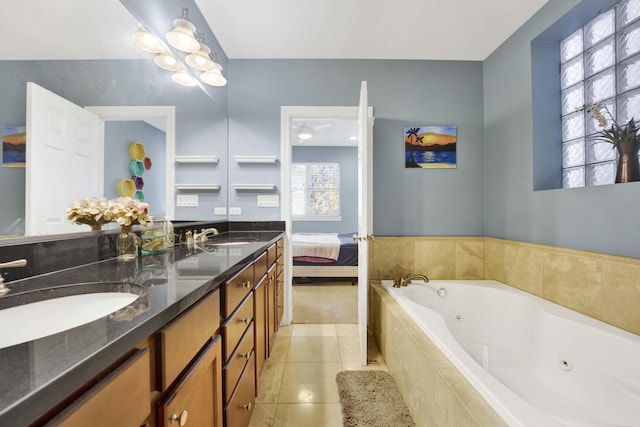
(244, 355)
(247, 407)
(182, 419)
(246, 320)
(246, 284)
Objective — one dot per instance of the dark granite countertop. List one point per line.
(37, 375)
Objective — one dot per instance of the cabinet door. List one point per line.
(122, 398)
(260, 325)
(196, 398)
(271, 309)
(240, 408)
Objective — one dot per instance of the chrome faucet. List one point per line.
(10, 264)
(407, 278)
(202, 235)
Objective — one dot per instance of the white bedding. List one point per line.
(321, 245)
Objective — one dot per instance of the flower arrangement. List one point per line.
(614, 133)
(127, 211)
(90, 211)
(96, 212)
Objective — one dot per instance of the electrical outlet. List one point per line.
(190, 200)
(220, 211)
(235, 211)
(268, 200)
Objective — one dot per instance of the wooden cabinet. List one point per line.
(260, 325)
(196, 398)
(236, 289)
(241, 404)
(121, 398)
(271, 309)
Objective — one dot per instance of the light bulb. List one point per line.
(181, 37)
(145, 41)
(166, 62)
(200, 60)
(214, 77)
(183, 78)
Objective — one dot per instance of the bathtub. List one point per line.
(536, 363)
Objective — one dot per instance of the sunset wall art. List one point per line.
(430, 147)
(14, 143)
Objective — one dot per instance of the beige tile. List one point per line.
(435, 257)
(573, 281)
(349, 349)
(522, 266)
(621, 295)
(263, 415)
(451, 410)
(494, 255)
(327, 303)
(285, 330)
(470, 259)
(309, 393)
(314, 330)
(482, 412)
(390, 257)
(308, 414)
(347, 330)
(270, 382)
(280, 349)
(309, 373)
(314, 350)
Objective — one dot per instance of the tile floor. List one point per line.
(298, 386)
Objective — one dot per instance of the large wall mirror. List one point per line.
(82, 52)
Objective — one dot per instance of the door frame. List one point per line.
(287, 114)
(162, 117)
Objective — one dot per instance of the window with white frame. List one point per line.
(599, 63)
(315, 191)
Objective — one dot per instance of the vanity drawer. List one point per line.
(238, 411)
(183, 338)
(237, 362)
(237, 289)
(234, 327)
(260, 266)
(121, 398)
(280, 247)
(272, 254)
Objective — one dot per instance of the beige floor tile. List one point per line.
(270, 382)
(309, 393)
(325, 303)
(349, 349)
(314, 330)
(313, 350)
(285, 331)
(347, 330)
(310, 373)
(280, 349)
(263, 415)
(308, 414)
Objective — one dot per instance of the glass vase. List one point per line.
(128, 244)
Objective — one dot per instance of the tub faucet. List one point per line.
(16, 263)
(202, 235)
(407, 278)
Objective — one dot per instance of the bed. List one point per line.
(324, 255)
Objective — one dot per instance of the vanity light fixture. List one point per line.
(214, 77)
(201, 59)
(183, 78)
(145, 41)
(167, 62)
(182, 36)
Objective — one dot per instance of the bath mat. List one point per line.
(371, 399)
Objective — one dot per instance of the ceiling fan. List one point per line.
(304, 131)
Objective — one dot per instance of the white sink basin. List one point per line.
(38, 319)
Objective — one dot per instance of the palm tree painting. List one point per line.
(14, 139)
(430, 147)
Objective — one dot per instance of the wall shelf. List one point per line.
(196, 159)
(255, 159)
(259, 187)
(197, 187)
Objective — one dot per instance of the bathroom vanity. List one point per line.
(188, 351)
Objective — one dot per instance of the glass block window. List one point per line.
(598, 63)
(315, 190)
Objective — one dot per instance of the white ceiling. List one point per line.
(373, 29)
(334, 132)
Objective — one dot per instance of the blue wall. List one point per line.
(348, 159)
(201, 125)
(406, 201)
(118, 137)
(601, 219)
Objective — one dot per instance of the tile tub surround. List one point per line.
(436, 393)
(602, 286)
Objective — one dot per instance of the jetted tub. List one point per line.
(536, 363)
